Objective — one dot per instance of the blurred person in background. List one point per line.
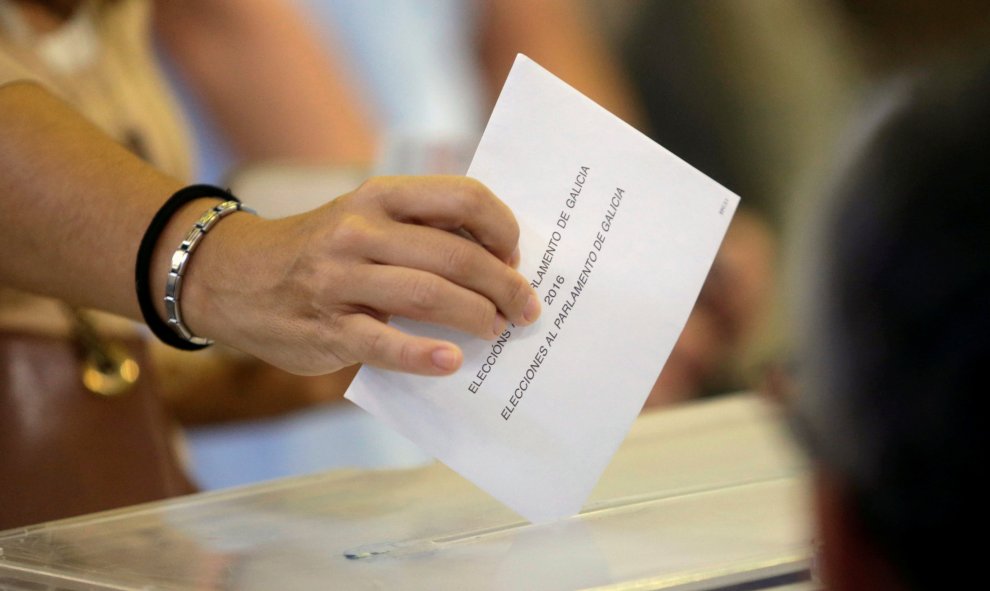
(758, 95)
(892, 281)
(752, 94)
(894, 323)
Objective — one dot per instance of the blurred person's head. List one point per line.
(896, 346)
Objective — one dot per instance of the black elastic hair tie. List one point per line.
(142, 270)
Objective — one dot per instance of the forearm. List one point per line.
(307, 293)
(262, 73)
(75, 205)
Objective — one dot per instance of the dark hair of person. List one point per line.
(907, 313)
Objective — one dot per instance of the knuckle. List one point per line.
(370, 192)
(326, 345)
(423, 293)
(512, 230)
(341, 202)
(372, 186)
(471, 195)
(378, 189)
(458, 261)
(518, 294)
(473, 203)
(375, 346)
(475, 187)
(352, 231)
(407, 355)
(486, 318)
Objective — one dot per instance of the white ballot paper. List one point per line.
(617, 237)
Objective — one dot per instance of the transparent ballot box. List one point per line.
(706, 496)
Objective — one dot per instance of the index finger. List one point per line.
(450, 203)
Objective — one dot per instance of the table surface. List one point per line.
(709, 495)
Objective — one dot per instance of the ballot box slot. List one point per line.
(594, 510)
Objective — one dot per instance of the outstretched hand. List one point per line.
(313, 293)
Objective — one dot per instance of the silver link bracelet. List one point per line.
(180, 259)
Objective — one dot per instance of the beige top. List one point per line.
(101, 62)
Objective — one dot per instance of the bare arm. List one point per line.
(559, 35)
(273, 88)
(75, 204)
(307, 293)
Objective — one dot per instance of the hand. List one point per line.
(312, 293)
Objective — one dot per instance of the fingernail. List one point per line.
(515, 258)
(500, 323)
(532, 310)
(445, 358)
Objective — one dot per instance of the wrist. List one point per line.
(171, 237)
(215, 276)
(166, 255)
